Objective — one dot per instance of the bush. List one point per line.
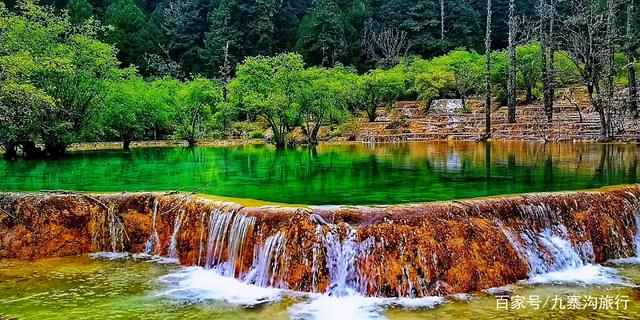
(256, 134)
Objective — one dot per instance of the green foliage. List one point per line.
(321, 35)
(195, 107)
(529, 68)
(132, 34)
(324, 95)
(268, 88)
(59, 84)
(62, 66)
(135, 109)
(79, 10)
(181, 21)
(256, 134)
(457, 74)
(379, 88)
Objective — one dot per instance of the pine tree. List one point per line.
(180, 24)
(128, 35)
(263, 28)
(225, 40)
(79, 10)
(321, 35)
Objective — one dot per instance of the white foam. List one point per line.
(196, 284)
(109, 255)
(416, 303)
(326, 307)
(589, 274)
(164, 260)
(621, 261)
(321, 307)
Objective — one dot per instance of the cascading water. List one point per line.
(225, 245)
(552, 257)
(342, 261)
(116, 232)
(636, 243)
(367, 255)
(265, 263)
(173, 243)
(154, 239)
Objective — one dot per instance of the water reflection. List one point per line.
(337, 174)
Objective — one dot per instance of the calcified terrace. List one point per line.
(387, 251)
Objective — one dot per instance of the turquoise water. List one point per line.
(336, 173)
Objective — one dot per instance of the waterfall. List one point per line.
(265, 263)
(549, 250)
(154, 239)
(636, 244)
(384, 251)
(225, 245)
(636, 238)
(342, 261)
(173, 252)
(116, 232)
(201, 242)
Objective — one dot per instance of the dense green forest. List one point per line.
(199, 34)
(124, 70)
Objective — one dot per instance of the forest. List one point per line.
(121, 70)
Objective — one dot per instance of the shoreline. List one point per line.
(98, 146)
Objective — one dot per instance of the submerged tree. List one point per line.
(135, 109)
(325, 95)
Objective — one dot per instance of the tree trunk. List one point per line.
(441, 19)
(54, 149)
(487, 44)
(511, 81)
(597, 104)
(630, 46)
(610, 72)
(126, 143)
(191, 142)
(371, 113)
(551, 89)
(30, 150)
(546, 56)
(529, 97)
(10, 151)
(314, 134)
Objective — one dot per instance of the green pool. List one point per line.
(337, 173)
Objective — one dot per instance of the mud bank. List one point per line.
(387, 251)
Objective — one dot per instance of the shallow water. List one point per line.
(337, 173)
(82, 288)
